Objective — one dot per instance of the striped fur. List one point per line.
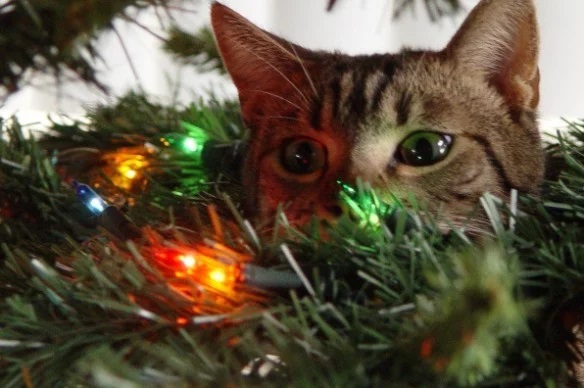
(482, 90)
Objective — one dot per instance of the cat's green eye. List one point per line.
(424, 148)
(302, 156)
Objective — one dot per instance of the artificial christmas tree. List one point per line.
(127, 261)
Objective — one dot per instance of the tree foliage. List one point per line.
(402, 303)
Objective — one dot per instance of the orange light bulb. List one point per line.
(218, 275)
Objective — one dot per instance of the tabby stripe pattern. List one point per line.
(356, 93)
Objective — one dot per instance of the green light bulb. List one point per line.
(198, 134)
(190, 145)
(364, 204)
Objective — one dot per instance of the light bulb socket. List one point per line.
(225, 158)
(269, 278)
(115, 222)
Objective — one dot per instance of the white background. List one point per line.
(354, 26)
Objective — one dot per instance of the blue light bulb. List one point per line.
(90, 199)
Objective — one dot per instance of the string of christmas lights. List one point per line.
(210, 263)
(214, 264)
(191, 155)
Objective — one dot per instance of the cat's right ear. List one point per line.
(258, 62)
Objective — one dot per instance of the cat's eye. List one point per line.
(424, 148)
(302, 156)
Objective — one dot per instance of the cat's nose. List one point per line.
(336, 210)
(330, 211)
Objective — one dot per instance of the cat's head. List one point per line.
(445, 126)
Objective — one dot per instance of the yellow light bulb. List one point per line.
(218, 275)
(130, 174)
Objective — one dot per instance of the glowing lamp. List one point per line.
(196, 135)
(109, 217)
(215, 267)
(129, 173)
(218, 275)
(130, 167)
(364, 204)
(197, 264)
(94, 203)
(192, 143)
(183, 143)
(189, 261)
(125, 166)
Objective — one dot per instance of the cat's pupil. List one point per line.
(424, 148)
(302, 156)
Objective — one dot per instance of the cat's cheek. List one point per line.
(276, 190)
(300, 201)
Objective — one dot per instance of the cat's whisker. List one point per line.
(305, 70)
(289, 118)
(417, 69)
(273, 67)
(277, 96)
(474, 226)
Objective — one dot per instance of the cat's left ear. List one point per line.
(260, 64)
(499, 40)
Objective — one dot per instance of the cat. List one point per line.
(445, 126)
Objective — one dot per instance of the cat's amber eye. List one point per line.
(424, 148)
(302, 156)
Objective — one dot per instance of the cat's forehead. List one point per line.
(405, 89)
(355, 85)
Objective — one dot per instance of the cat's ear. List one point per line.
(499, 40)
(255, 59)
